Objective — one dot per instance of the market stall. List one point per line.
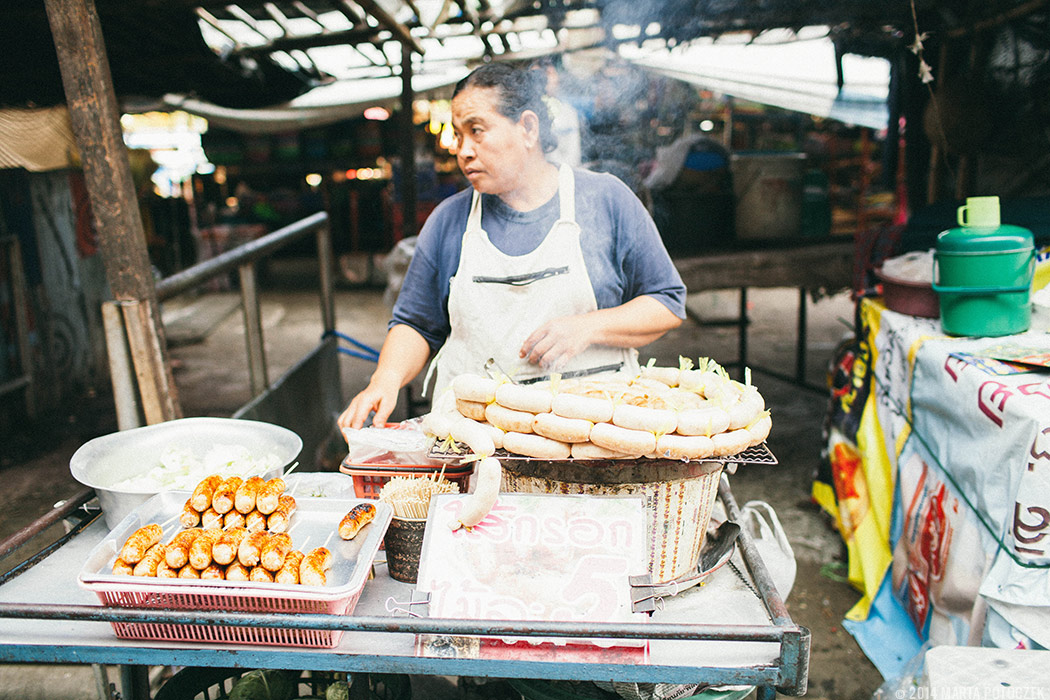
(720, 622)
(938, 451)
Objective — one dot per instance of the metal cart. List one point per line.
(46, 617)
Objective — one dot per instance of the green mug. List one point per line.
(979, 212)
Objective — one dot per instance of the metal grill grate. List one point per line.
(448, 451)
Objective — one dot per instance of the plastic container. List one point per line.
(312, 523)
(403, 544)
(983, 275)
(369, 478)
(908, 297)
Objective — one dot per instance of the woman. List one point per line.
(542, 268)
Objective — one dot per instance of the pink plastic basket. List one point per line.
(131, 594)
(317, 517)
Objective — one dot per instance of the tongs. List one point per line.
(491, 367)
(718, 549)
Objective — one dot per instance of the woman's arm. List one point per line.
(638, 322)
(404, 354)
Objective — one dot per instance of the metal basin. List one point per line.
(108, 460)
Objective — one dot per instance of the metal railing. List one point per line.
(243, 259)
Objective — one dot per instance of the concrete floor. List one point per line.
(212, 379)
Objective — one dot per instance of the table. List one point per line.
(940, 480)
(810, 265)
(690, 639)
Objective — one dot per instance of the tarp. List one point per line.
(37, 140)
(797, 75)
(321, 106)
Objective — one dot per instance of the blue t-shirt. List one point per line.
(622, 250)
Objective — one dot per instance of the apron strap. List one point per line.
(567, 193)
(474, 218)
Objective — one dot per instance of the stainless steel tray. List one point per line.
(314, 523)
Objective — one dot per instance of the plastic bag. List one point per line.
(760, 521)
(393, 443)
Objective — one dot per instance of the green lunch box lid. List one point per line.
(998, 239)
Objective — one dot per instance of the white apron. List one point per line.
(496, 300)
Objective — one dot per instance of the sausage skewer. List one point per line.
(139, 542)
(268, 498)
(223, 498)
(202, 494)
(250, 548)
(244, 500)
(200, 550)
(278, 520)
(178, 551)
(359, 516)
(314, 568)
(274, 550)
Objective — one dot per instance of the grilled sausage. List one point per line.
(313, 570)
(189, 517)
(223, 498)
(234, 518)
(138, 544)
(213, 572)
(289, 573)
(211, 518)
(255, 521)
(244, 500)
(237, 571)
(165, 571)
(260, 574)
(250, 548)
(278, 520)
(359, 516)
(268, 498)
(200, 550)
(201, 498)
(178, 551)
(274, 550)
(147, 566)
(122, 568)
(189, 572)
(478, 504)
(224, 550)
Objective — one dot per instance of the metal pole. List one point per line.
(408, 147)
(253, 334)
(326, 261)
(743, 320)
(800, 338)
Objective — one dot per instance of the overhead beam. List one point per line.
(400, 31)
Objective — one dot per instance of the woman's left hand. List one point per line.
(557, 341)
(631, 325)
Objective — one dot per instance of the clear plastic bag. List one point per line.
(392, 443)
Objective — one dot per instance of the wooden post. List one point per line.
(95, 117)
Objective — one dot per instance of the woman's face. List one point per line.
(492, 151)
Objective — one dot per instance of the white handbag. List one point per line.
(760, 521)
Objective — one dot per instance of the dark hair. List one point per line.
(519, 89)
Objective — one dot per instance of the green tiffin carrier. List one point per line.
(983, 273)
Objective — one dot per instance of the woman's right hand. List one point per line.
(403, 356)
(378, 396)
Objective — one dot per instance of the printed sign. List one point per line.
(535, 557)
